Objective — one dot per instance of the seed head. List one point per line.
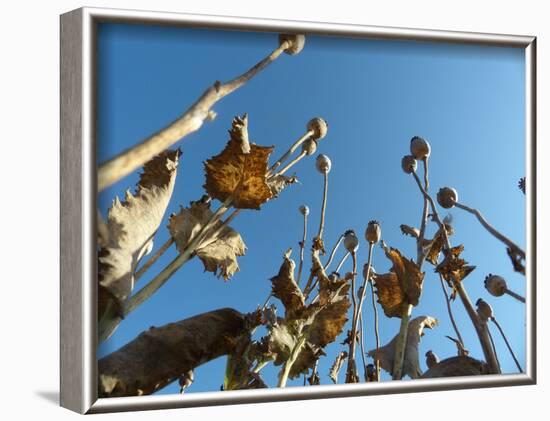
(296, 41)
(304, 210)
(309, 146)
(318, 126)
(484, 309)
(409, 164)
(447, 197)
(323, 164)
(351, 242)
(420, 148)
(373, 232)
(496, 285)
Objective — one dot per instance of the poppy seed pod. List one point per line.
(318, 126)
(496, 285)
(484, 309)
(323, 164)
(296, 41)
(309, 146)
(351, 242)
(409, 164)
(447, 197)
(420, 148)
(373, 232)
(304, 210)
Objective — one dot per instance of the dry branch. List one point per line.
(160, 355)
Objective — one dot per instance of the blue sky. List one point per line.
(468, 101)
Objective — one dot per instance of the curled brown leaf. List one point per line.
(284, 287)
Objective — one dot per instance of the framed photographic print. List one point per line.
(259, 210)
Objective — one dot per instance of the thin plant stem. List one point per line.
(497, 324)
(292, 163)
(515, 295)
(302, 247)
(307, 291)
(342, 261)
(362, 342)
(494, 346)
(333, 251)
(192, 119)
(509, 243)
(376, 331)
(480, 327)
(424, 221)
(290, 151)
(351, 374)
(450, 311)
(323, 206)
(151, 261)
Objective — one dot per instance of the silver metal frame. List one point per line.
(78, 215)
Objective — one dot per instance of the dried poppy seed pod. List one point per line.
(496, 285)
(323, 164)
(296, 41)
(351, 242)
(420, 148)
(373, 232)
(318, 126)
(484, 309)
(304, 210)
(431, 359)
(447, 197)
(309, 146)
(409, 164)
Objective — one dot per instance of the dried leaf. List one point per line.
(328, 322)
(337, 366)
(390, 294)
(436, 245)
(284, 287)
(306, 360)
(131, 226)
(457, 366)
(453, 268)
(219, 249)
(411, 365)
(410, 231)
(279, 182)
(408, 273)
(240, 170)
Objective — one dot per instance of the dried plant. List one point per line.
(240, 177)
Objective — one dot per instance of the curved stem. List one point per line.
(290, 151)
(507, 344)
(342, 261)
(151, 261)
(401, 342)
(420, 255)
(134, 157)
(509, 243)
(291, 360)
(450, 311)
(302, 247)
(333, 251)
(292, 163)
(494, 346)
(351, 374)
(362, 342)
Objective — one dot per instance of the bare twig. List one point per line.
(131, 159)
(302, 247)
(509, 243)
(494, 320)
(376, 331)
(323, 206)
(351, 374)
(333, 251)
(290, 151)
(450, 311)
(151, 261)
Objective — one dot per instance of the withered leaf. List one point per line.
(453, 268)
(279, 182)
(436, 245)
(240, 170)
(306, 360)
(219, 249)
(284, 287)
(131, 225)
(328, 322)
(409, 276)
(337, 366)
(411, 365)
(410, 231)
(390, 294)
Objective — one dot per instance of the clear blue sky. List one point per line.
(468, 101)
